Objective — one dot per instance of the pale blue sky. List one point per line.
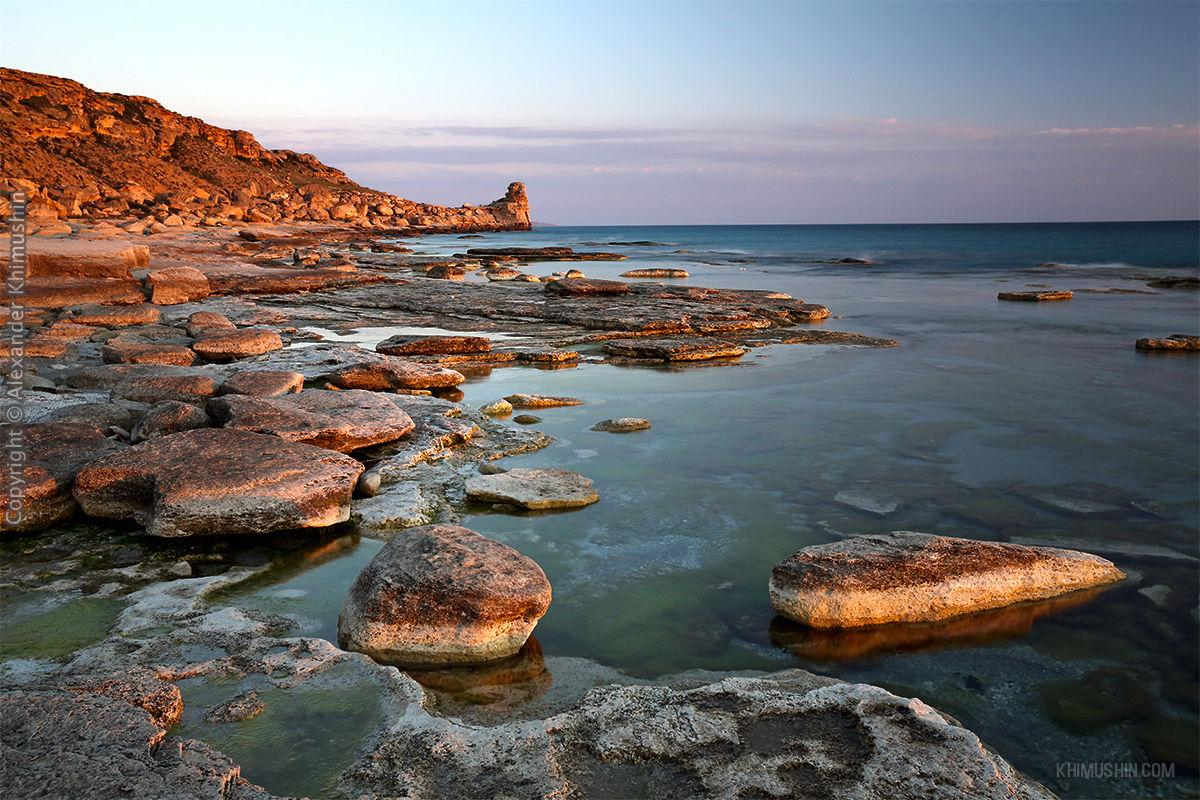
(664, 112)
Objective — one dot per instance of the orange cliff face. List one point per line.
(81, 153)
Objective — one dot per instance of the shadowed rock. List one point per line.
(170, 416)
(216, 482)
(262, 383)
(397, 374)
(1035, 297)
(443, 595)
(1177, 342)
(656, 273)
(342, 421)
(535, 489)
(674, 349)
(586, 287)
(918, 577)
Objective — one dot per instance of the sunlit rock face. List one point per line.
(917, 577)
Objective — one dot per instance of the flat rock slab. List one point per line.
(408, 345)
(116, 316)
(1178, 342)
(446, 272)
(443, 595)
(226, 345)
(262, 383)
(86, 259)
(38, 346)
(133, 351)
(54, 452)
(540, 401)
(622, 425)
(535, 489)
(205, 321)
(918, 577)
(176, 285)
(341, 421)
(586, 287)
(397, 374)
(656, 273)
(216, 482)
(1034, 297)
(674, 349)
(156, 388)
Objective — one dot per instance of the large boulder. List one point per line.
(54, 454)
(919, 577)
(215, 482)
(342, 421)
(443, 595)
(534, 489)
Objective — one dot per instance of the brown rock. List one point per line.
(71, 331)
(656, 273)
(443, 595)
(1034, 297)
(54, 292)
(39, 345)
(226, 345)
(541, 401)
(167, 417)
(116, 316)
(206, 321)
(1177, 342)
(157, 388)
(87, 259)
(54, 452)
(342, 421)
(674, 349)
(133, 351)
(262, 383)
(220, 482)
(177, 285)
(586, 286)
(405, 345)
(916, 577)
(447, 272)
(385, 375)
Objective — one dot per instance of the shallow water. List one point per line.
(1004, 421)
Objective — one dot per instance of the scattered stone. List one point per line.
(674, 349)
(177, 285)
(207, 321)
(526, 419)
(216, 482)
(157, 388)
(54, 454)
(656, 273)
(223, 345)
(917, 577)
(262, 383)
(407, 345)
(446, 272)
(1035, 296)
(169, 416)
(343, 421)
(502, 274)
(443, 595)
(1178, 342)
(139, 351)
(238, 708)
(397, 374)
(116, 316)
(541, 401)
(534, 489)
(586, 287)
(622, 425)
(64, 329)
(500, 408)
(1072, 505)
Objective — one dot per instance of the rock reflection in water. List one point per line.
(501, 685)
(851, 644)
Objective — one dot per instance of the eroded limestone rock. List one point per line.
(535, 489)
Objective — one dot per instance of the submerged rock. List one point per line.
(700, 349)
(535, 489)
(54, 454)
(622, 425)
(443, 595)
(341, 421)
(1178, 342)
(541, 401)
(918, 577)
(527, 419)
(215, 482)
(1035, 296)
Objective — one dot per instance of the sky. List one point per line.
(681, 112)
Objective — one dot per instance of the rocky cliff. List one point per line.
(82, 153)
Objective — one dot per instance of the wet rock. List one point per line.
(534, 489)
(547, 356)
(526, 419)
(157, 388)
(169, 416)
(541, 401)
(399, 505)
(1175, 282)
(1099, 699)
(394, 374)
(225, 345)
(55, 452)
(865, 501)
(122, 350)
(502, 274)
(262, 383)
(1035, 296)
(238, 708)
(176, 285)
(656, 273)
(674, 349)
(116, 316)
(917, 577)
(1178, 342)
(622, 425)
(216, 482)
(1159, 594)
(446, 272)
(589, 287)
(407, 345)
(443, 595)
(1072, 505)
(500, 408)
(343, 421)
(206, 321)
